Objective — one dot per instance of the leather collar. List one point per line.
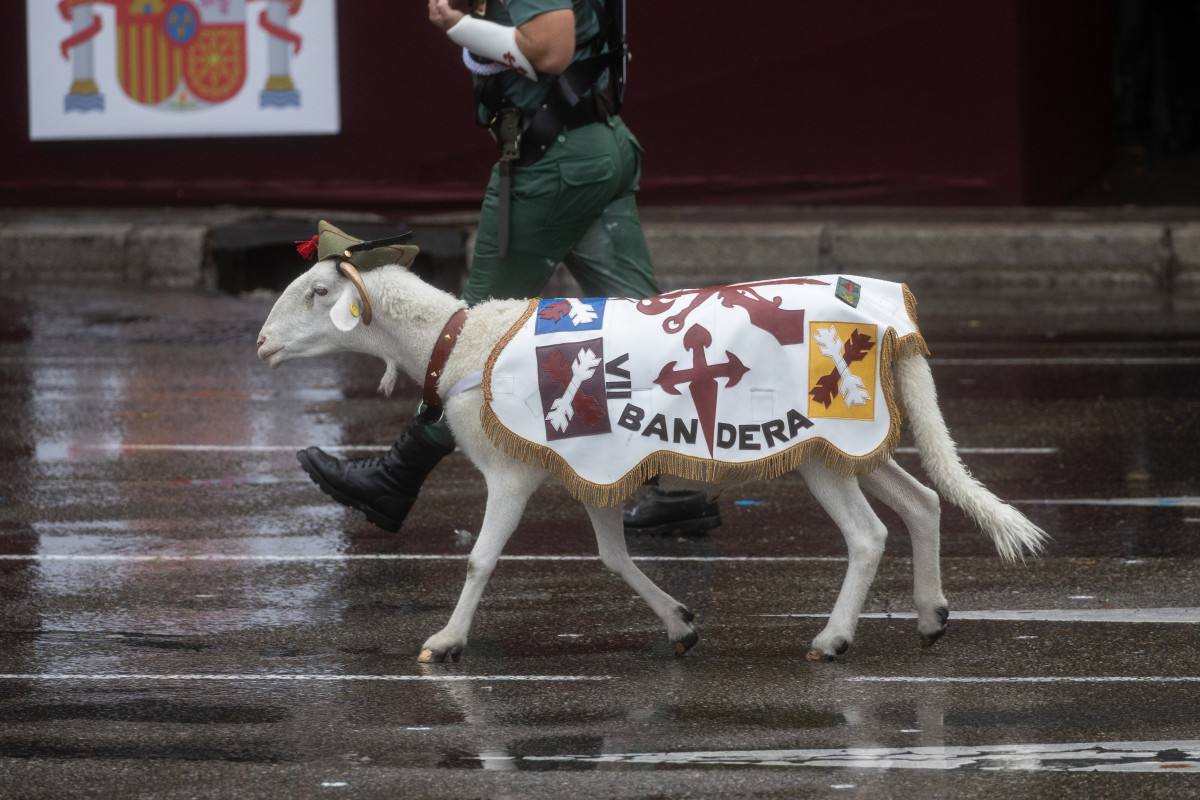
(441, 352)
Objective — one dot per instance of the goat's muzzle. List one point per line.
(348, 269)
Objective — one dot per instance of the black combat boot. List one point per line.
(661, 512)
(384, 488)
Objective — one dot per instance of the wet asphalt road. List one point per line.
(184, 614)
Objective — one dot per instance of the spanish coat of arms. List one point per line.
(170, 56)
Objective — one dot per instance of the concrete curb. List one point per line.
(983, 255)
(1148, 258)
(171, 255)
(1136, 266)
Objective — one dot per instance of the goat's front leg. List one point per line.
(610, 539)
(920, 509)
(509, 490)
(865, 534)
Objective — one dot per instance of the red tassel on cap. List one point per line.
(308, 249)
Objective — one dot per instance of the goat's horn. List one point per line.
(347, 269)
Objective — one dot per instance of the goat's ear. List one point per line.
(345, 312)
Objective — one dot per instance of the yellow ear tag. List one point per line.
(354, 309)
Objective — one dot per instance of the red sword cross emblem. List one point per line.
(701, 378)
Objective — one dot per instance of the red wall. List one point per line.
(799, 102)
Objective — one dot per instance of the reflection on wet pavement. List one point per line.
(174, 590)
(1114, 756)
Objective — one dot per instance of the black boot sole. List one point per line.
(389, 524)
(699, 526)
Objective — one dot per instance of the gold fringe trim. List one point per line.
(910, 304)
(665, 462)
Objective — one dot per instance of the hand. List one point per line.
(443, 15)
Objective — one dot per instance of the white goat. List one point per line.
(312, 317)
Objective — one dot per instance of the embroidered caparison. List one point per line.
(510, 419)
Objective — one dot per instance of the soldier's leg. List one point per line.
(384, 488)
(526, 267)
(611, 258)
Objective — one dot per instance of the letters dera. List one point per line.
(742, 437)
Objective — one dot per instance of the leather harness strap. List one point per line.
(441, 352)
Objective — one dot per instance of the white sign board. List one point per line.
(124, 69)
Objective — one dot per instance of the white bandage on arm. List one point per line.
(494, 41)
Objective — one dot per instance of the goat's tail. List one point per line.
(1011, 531)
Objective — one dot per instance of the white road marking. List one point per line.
(1070, 361)
(117, 557)
(298, 678)
(63, 360)
(993, 451)
(326, 678)
(1102, 361)
(1029, 679)
(228, 448)
(341, 448)
(1156, 615)
(1155, 756)
(1179, 502)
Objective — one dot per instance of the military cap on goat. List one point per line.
(333, 242)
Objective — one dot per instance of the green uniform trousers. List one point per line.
(576, 205)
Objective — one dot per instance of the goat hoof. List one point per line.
(927, 639)
(686, 643)
(839, 646)
(429, 656)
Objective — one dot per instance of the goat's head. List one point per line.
(318, 313)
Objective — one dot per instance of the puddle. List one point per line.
(1161, 756)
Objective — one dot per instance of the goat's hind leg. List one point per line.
(920, 509)
(610, 539)
(865, 534)
(509, 489)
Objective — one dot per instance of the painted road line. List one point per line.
(226, 448)
(291, 448)
(293, 677)
(993, 451)
(1154, 756)
(1070, 361)
(64, 360)
(1140, 502)
(1028, 679)
(1156, 615)
(290, 677)
(1030, 361)
(337, 557)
